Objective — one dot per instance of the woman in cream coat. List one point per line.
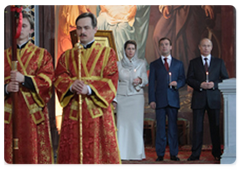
(130, 103)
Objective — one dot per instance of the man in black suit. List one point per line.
(204, 74)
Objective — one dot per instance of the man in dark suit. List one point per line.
(165, 78)
(204, 74)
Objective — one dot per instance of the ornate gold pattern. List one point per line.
(79, 60)
(67, 59)
(99, 141)
(110, 83)
(34, 139)
(93, 109)
(46, 78)
(80, 105)
(14, 65)
(29, 58)
(31, 49)
(7, 109)
(9, 52)
(102, 103)
(65, 100)
(45, 153)
(105, 61)
(95, 62)
(15, 143)
(7, 78)
(34, 109)
(38, 99)
(73, 109)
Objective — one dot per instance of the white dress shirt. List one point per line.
(208, 61)
(169, 60)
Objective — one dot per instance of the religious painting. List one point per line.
(185, 26)
(127, 22)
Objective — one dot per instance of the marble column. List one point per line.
(228, 89)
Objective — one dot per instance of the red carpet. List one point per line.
(184, 153)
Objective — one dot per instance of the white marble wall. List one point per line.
(228, 89)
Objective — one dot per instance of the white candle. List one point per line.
(134, 76)
(207, 78)
(170, 78)
(134, 73)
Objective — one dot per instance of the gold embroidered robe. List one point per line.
(98, 143)
(33, 131)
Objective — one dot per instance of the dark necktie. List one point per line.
(166, 64)
(206, 64)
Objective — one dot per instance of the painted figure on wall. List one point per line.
(185, 26)
(127, 22)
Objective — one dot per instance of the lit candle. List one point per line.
(134, 73)
(207, 78)
(170, 78)
(134, 76)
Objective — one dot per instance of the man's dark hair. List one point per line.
(130, 42)
(90, 15)
(165, 38)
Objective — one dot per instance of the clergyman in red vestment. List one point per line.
(88, 132)
(33, 83)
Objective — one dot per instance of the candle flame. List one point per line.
(170, 73)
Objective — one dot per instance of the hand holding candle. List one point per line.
(171, 83)
(134, 73)
(210, 84)
(135, 78)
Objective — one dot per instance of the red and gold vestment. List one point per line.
(98, 142)
(33, 130)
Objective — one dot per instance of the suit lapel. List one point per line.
(172, 66)
(160, 63)
(200, 64)
(211, 63)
